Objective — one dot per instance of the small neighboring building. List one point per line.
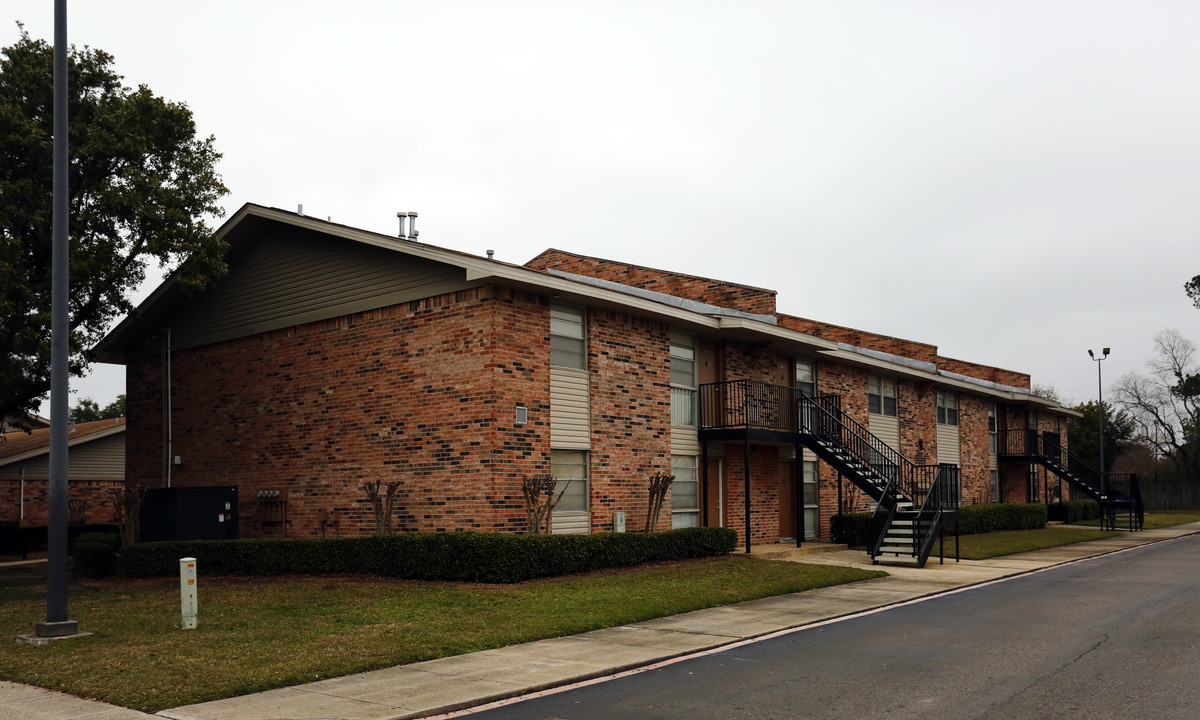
(329, 357)
(96, 464)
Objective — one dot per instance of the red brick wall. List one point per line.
(984, 372)
(861, 338)
(630, 416)
(98, 507)
(421, 393)
(974, 458)
(706, 290)
(764, 492)
(917, 413)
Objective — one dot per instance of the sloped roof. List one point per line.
(18, 446)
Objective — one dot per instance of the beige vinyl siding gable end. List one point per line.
(99, 459)
(291, 277)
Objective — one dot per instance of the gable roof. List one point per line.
(18, 446)
(251, 223)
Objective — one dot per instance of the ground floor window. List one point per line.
(812, 515)
(570, 471)
(685, 495)
(995, 485)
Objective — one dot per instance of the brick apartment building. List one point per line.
(330, 356)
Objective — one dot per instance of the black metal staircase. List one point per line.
(913, 502)
(1118, 493)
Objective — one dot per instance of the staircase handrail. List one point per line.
(868, 449)
(944, 494)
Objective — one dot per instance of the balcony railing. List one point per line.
(748, 404)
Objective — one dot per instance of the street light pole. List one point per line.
(1100, 408)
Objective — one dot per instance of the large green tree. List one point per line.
(141, 186)
(1084, 433)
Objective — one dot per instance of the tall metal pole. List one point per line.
(1100, 398)
(56, 623)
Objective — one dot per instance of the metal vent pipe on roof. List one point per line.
(401, 216)
(412, 226)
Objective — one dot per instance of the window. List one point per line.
(812, 517)
(685, 494)
(881, 395)
(993, 430)
(947, 408)
(568, 348)
(683, 380)
(995, 483)
(569, 468)
(805, 377)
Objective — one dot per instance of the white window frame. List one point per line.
(568, 327)
(993, 429)
(806, 377)
(572, 467)
(812, 511)
(686, 469)
(881, 389)
(683, 395)
(947, 408)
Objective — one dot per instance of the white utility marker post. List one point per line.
(187, 592)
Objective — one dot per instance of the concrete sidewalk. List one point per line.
(440, 686)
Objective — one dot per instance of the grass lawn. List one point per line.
(989, 545)
(260, 633)
(1156, 519)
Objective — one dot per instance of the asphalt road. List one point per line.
(1112, 637)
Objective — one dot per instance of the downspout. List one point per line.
(166, 410)
(21, 516)
(170, 433)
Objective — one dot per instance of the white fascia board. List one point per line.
(853, 358)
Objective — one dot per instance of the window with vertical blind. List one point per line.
(683, 380)
(812, 516)
(993, 429)
(685, 492)
(806, 378)
(569, 468)
(568, 344)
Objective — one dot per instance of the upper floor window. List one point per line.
(993, 429)
(881, 395)
(947, 407)
(683, 380)
(806, 377)
(568, 346)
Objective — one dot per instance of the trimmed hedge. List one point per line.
(854, 528)
(1075, 510)
(851, 528)
(16, 540)
(462, 556)
(986, 518)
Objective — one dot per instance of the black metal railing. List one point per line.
(822, 419)
(748, 404)
(1117, 492)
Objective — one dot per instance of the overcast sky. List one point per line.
(1014, 182)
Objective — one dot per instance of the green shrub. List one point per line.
(986, 518)
(851, 528)
(16, 540)
(464, 556)
(1074, 511)
(93, 559)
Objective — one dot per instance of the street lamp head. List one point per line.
(1105, 352)
(1091, 355)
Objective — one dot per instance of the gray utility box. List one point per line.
(190, 513)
